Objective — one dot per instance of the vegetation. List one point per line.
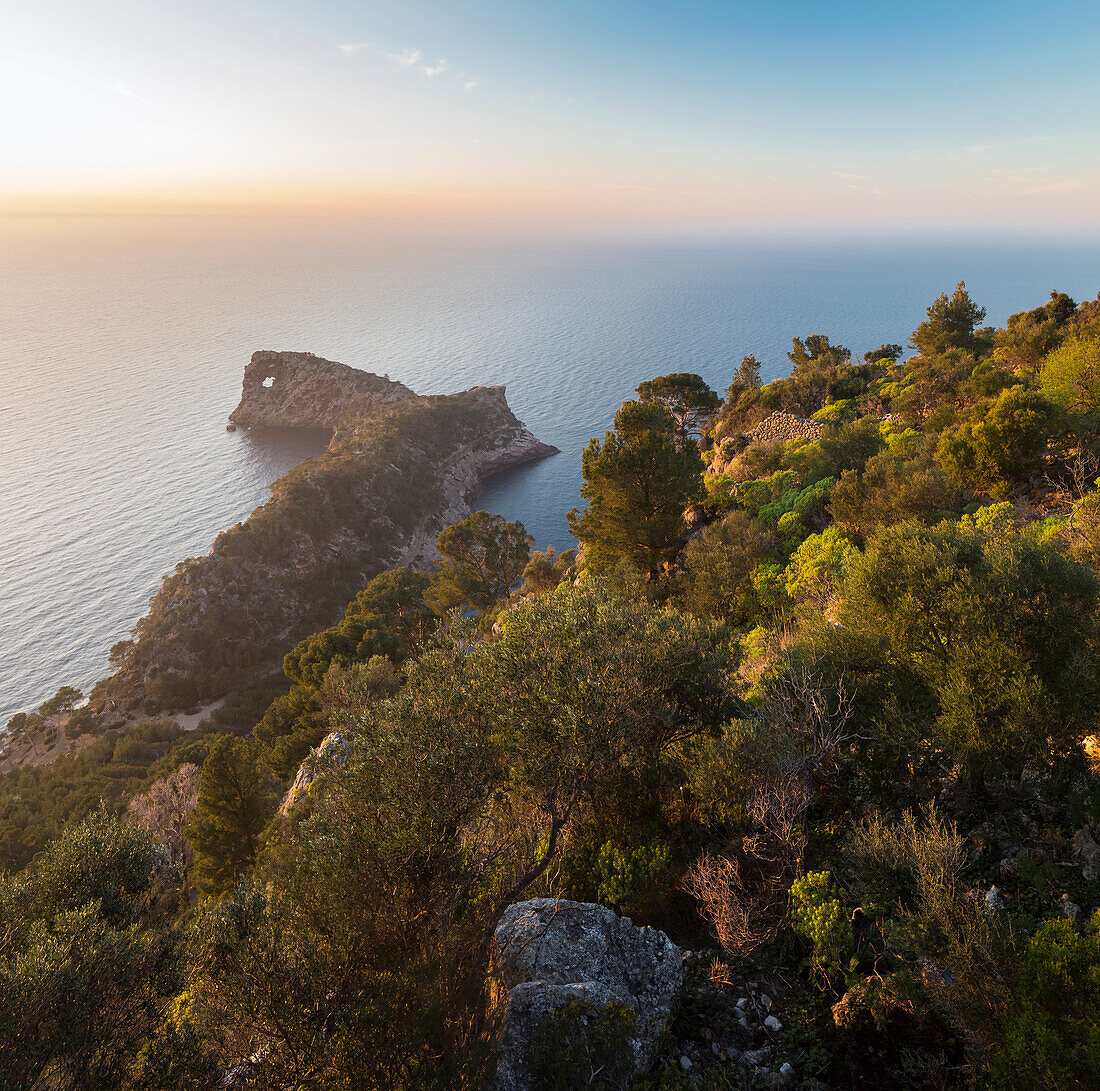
(331, 525)
(823, 706)
(637, 484)
(686, 396)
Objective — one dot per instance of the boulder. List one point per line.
(550, 951)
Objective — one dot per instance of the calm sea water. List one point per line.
(122, 344)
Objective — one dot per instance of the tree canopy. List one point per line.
(637, 482)
(686, 396)
(480, 559)
(950, 324)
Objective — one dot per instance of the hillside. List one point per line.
(815, 706)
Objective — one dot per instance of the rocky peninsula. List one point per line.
(399, 469)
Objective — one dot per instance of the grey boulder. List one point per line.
(550, 951)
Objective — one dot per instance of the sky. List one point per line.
(798, 114)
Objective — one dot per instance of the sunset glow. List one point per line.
(853, 115)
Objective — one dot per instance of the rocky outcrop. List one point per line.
(549, 952)
(300, 390)
(331, 754)
(778, 427)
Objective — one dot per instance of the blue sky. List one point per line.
(714, 115)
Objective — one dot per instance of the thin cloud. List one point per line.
(434, 71)
(470, 84)
(1041, 138)
(542, 95)
(844, 174)
(407, 57)
(351, 49)
(1014, 173)
(126, 91)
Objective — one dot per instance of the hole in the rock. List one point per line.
(268, 381)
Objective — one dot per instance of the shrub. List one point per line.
(718, 568)
(818, 917)
(1052, 1040)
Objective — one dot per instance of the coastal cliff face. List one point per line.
(378, 498)
(300, 390)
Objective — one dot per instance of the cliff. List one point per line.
(378, 498)
(300, 390)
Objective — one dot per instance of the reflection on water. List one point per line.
(272, 451)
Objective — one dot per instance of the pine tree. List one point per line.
(686, 396)
(233, 808)
(480, 559)
(950, 323)
(637, 484)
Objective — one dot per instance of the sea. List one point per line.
(123, 341)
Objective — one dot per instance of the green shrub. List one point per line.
(1052, 1039)
(630, 876)
(819, 918)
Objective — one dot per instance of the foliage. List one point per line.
(62, 701)
(1002, 631)
(164, 811)
(746, 378)
(36, 804)
(579, 1047)
(818, 565)
(1070, 379)
(1052, 1040)
(390, 617)
(999, 444)
(883, 353)
(686, 396)
(480, 559)
(818, 917)
(233, 807)
(1030, 336)
(84, 962)
(628, 876)
(466, 780)
(950, 324)
(332, 524)
(545, 570)
(637, 484)
(893, 490)
(719, 564)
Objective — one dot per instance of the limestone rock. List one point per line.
(1068, 908)
(332, 753)
(549, 952)
(779, 426)
(300, 390)
(782, 425)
